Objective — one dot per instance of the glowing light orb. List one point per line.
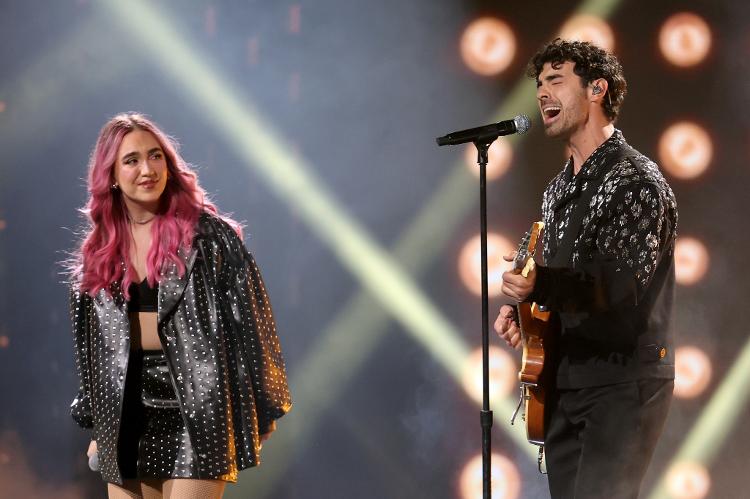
(488, 46)
(685, 150)
(685, 39)
(470, 263)
(505, 482)
(499, 158)
(503, 374)
(692, 372)
(688, 481)
(588, 28)
(691, 260)
(3, 224)
(2, 106)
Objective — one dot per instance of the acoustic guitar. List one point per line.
(534, 323)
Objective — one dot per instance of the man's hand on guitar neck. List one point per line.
(507, 328)
(516, 286)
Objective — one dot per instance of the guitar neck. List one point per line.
(525, 255)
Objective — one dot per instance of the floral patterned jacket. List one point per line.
(614, 290)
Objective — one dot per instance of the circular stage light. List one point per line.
(488, 46)
(505, 481)
(500, 156)
(688, 480)
(588, 28)
(691, 260)
(692, 372)
(470, 263)
(685, 39)
(503, 373)
(685, 150)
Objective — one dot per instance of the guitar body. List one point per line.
(534, 331)
(536, 339)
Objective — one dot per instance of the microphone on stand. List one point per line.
(519, 124)
(482, 137)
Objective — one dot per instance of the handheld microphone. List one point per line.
(94, 461)
(519, 124)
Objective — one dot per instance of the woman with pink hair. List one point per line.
(180, 369)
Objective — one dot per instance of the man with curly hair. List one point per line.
(608, 277)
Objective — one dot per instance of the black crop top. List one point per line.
(143, 298)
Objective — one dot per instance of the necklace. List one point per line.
(142, 222)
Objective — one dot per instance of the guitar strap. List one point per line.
(561, 258)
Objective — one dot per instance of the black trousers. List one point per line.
(600, 440)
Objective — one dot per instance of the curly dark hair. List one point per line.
(591, 63)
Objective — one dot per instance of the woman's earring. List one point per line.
(115, 186)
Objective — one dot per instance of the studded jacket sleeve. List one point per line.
(80, 308)
(636, 228)
(254, 327)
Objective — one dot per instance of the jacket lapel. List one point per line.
(111, 310)
(172, 286)
(566, 187)
(586, 179)
(572, 191)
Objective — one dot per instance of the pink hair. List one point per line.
(98, 263)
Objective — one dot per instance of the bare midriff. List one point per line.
(143, 330)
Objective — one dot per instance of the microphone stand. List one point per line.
(483, 144)
(482, 138)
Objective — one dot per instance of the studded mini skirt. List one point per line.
(153, 441)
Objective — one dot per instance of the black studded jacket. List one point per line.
(613, 292)
(219, 337)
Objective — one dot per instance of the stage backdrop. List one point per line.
(313, 122)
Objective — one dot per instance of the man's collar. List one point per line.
(594, 165)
